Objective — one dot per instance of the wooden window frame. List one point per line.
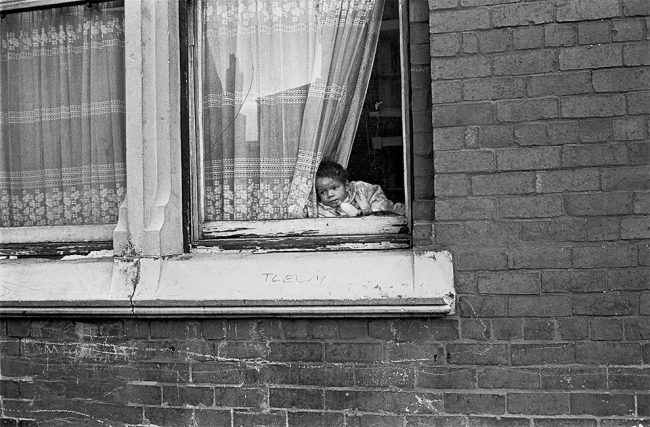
(372, 232)
(60, 239)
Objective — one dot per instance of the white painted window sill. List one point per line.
(351, 283)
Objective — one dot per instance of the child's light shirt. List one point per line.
(366, 197)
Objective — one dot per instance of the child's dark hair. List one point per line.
(333, 170)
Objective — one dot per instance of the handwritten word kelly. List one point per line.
(293, 278)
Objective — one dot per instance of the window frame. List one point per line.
(289, 234)
(55, 240)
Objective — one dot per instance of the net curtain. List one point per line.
(62, 115)
(283, 86)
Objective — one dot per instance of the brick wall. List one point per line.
(540, 154)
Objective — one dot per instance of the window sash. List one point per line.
(81, 235)
(201, 229)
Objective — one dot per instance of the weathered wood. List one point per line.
(56, 233)
(53, 249)
(316, 243)
(365, 225)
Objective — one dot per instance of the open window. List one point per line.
(275, 88)
(62, 125)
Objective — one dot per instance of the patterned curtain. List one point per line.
(62, 115)
(283, 85)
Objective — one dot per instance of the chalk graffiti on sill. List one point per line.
(279, 278)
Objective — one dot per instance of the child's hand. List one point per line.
(348, 209)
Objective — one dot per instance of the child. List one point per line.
(339, 197)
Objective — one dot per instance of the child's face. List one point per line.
(330, 191)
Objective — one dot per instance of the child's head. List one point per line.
(331, 183)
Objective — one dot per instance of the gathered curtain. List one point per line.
(283, 84)
(62, 115)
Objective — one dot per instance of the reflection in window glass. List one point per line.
(62, 115)
(283, 84)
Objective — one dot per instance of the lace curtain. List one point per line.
(283, 85)
(62, 115)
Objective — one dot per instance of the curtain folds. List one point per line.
(62, 115)
(283, 85)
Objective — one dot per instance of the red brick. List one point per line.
(530, 207)
(475, 113)
(296, 398)
(475, 232)
(606, 329)
(444, 91)
(635, 7)
(594, 32)
(610, 353)
(527, 109)
(504, 183)
(448, 138)
(411, 352)
(637, 328)
(475, 403)
(528, 158)
(465, 208)
(574, 281)
(452, 185)
(372, 420)
(445, 378)
(270, 373)
(644, 404)
(635, 228)
(169, 416)
(603, 228)
(528, 37)
(630, 279)
(211, 417)
(241, 350)
(481, 259)
(629, 129)
(509, 378)
(494, 40)
(305, 352)
(602, 404)
(597, 204)
(495, 136)
(539, 306)
(352, 352)
(477, 354)
(465, 282)
(621, 80)
(575, 378)
(252, 419)
(604, 256)
(560, 35)
(557, 84)
(239, 397)
(637, 54)
(562, 133)
(626, 178)
(629, 378)
(638, 103)
(542, 354)
(539, 329)
(538, 403)
(494, 88)
(627, 29)
(531, 134)
(470, 3)
(605, 304)
(479, 306)
(540, 257)
(458, 20)
(464, 161)
(192, 396)
(522, 14)
(460, 67)
(476, 329)
(475, 421)
(573, 328)
(391, 402)
(314, 419)
(533, 62)
(554, 231)
(592, 106)
(510, 282)
(507, 329)
(578, 10)
(430, 420)
(445, 44)
(383, 377)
